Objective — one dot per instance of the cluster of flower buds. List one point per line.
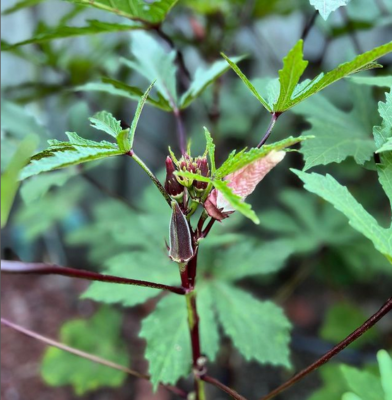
(175, 184)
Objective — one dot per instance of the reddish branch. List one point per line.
(18, 267)
(384, 310)
(224, 388)
(85, 355)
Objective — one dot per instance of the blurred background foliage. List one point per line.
(107, 217)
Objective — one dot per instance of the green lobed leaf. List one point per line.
(203, 78)
(258, 329)
(100, 336)
(9, 179)
(325, 7)
(235, 201)
(104, 121)
(168, 354)
(293, 68)
(330, 190)
(152, 12)
(94, 27)
(321, 81)
(154, 63)
(383, 138)
(210, 149)
(244, 79)
(337, 135)
(290, 96)
(65, 154)
(239, 160)
(142, 265)
(379, 81)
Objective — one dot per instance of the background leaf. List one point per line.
(133, 9)
(330, 190)
(337, 135)
(325, 7)
(99, 336)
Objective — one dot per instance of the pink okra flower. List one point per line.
(242, 182)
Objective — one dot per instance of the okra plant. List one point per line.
(171, 228)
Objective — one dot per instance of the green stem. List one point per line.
(152, 177)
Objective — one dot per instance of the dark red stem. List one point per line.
(85, 355)
(208, 227)
(224, 388)
(180, 130)
(274, 117)
(18, 267)
(385, 309)
(309, 25)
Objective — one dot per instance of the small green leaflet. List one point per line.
(262, 333)
(294, 66)
(210, 149)
(94, 27)
(337, 134)
(138, 112)
(99, 336)
(325, 7)
(150, 13)
(330, 190)
(239, 160)
(105, 121)
(383, 138)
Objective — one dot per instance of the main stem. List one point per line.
(188, 275)
(193, 323)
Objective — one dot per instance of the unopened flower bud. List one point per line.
(201, 169)
(180, 246)
(172, 186)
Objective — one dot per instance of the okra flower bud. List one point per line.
(172, 186)
(202, 169)
(180, 245)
